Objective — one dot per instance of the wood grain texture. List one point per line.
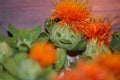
(29, 13)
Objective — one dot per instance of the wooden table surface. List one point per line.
(29, 13)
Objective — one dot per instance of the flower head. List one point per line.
(98, 30)
(71, 12)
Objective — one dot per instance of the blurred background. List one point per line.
(30, 13)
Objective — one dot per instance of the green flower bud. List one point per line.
(64, 37)
(93, 49)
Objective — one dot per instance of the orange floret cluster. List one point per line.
(73, 13)
(87, 71)
(98, 30)
(103, 67)
(44, 53)
(110, 62)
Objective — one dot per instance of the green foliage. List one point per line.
(43, 37)
(1, 68)
(47, 73)
(115, 42)
(5, 51)
(28, 70)
(21, 67)
(14, 61)
(61, 58)
(11, 63)
(10, 41)
(48, 25)
(24, 38)
(6, 76)
(81, 45)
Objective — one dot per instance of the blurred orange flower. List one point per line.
(44, 53)
(93, 71)
(110, 62)
(87, 71)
